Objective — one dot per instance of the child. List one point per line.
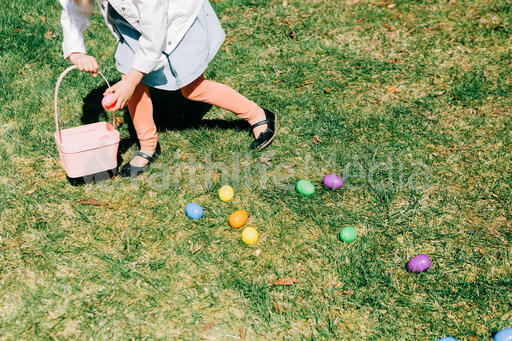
(165, 44)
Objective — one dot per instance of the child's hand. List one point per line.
(84, 62)
(123, 90)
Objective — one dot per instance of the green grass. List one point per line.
(422, 87)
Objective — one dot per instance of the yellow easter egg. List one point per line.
(238, 218)
(249, 235)
(226, 193)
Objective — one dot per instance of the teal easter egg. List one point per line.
(348, 234)
(305, 187)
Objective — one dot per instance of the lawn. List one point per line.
(409, 101)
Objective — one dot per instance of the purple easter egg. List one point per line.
(418, 263)
(333, 181)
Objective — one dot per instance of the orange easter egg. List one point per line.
(238, 218)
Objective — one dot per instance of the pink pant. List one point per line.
(202, 90)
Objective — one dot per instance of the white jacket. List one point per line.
(162, 24)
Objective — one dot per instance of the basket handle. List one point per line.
(56, 96)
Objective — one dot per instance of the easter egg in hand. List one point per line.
(333, 181)
(418, 263)
(305, 187)
(249, 235)
(109, 101)
(194, 211)
(348, 234)
(504, 335)
(238, 218)
(226, 193)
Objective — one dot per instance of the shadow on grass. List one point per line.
(171, 112)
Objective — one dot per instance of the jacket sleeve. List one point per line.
(153, 28)
(74, 21)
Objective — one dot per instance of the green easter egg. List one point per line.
(348, 234)
(305, 187)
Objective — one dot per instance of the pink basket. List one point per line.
(87, 149)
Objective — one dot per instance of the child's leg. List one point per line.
(226, 98)
(140, 107)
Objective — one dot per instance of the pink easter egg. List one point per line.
(333, 181)
(109, 101)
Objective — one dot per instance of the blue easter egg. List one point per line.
(447, 338)
(194, 211)
(504, 335)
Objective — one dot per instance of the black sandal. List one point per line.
(266, 136)
(129, 171)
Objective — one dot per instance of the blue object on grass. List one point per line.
(504, 335)
(194, 211)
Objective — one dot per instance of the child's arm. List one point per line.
(75, 20)
(153, 26)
